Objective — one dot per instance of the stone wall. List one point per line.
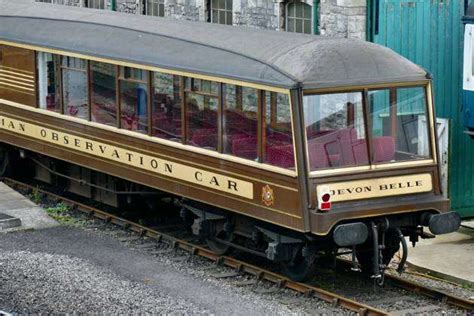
(337, 18)
(343, 18)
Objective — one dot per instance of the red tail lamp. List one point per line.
(324, 201)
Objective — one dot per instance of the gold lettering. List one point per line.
(22, 127)
(115, 154)
(102, 148)
(168, 168)
(196, 176)
(54, 136)
(43, 133)
(129, 155)
(77, 142)
(66, 140)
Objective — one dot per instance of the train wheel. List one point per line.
(301, 267)
(217, 231)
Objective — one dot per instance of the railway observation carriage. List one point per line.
(286, 145)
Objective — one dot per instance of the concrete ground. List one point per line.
(450, 256)
(14, 204)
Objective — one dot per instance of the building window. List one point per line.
(221, 11)
(154, 7)
(75, 87)
(298, 17)
(134, 99)
(103, 93)
(95, 4)
(202, 102)
(49, 81)
(166, 106)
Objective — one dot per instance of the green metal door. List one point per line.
(430, 33)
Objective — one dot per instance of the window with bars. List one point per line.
(221, 11)
(298, 17)
(95, 4)
(154, 7)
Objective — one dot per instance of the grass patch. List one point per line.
(61, 213)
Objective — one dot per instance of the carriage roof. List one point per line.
(265, 57)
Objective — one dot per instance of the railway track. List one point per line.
(261, 274)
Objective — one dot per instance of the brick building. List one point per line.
(338, 18)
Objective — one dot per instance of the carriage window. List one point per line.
(201, 113)
(241, 122)
(103, 93)
(154, 7)
(75, 87)
(278, 136)
(48, 81)
(298, 17)
(166, 111)
(221, 11)
(134, 99)
(399, 125)
(335, 130)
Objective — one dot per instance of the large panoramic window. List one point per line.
(49, 81)
(202, 98)
(277, 134)
(75, 87)
(241, 122)
(298, 17)
(166, 106)
(103, 93)
(335, 130)
(221, 11)
(134, 99)
(399, 125)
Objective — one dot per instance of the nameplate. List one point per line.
(379, 187)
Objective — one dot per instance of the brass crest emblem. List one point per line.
(267, 196)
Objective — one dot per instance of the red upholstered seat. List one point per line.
(281, 156)
(384, 148)
(245, 147)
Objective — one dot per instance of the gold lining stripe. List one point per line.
(385, 166)
(17, 74)
(15, 86)
(150, 68)
(189, 148)
(432, 122)
(16, 90)
(160, 176)
(369, 86)
(19, 70)
(22, 84)
(30, 81)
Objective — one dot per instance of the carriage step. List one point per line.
(7, 221)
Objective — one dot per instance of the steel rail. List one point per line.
(261, 274)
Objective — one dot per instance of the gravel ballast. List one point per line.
(41, 283)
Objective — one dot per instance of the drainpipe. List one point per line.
(316, 17)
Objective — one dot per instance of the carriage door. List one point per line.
(430, 33)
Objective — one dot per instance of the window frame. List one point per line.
(86, 71)
(221, 11)
(158, 3)
(293, 2)
(121, 78)
(372, 167)
(219, 154)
